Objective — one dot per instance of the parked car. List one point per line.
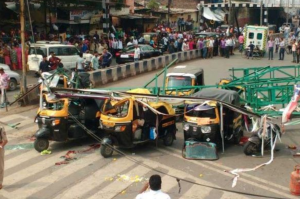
(67, 53)
(14, 77)
(127, 54)
(206, 34)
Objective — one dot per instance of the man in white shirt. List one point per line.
(282, 49)
(80, 63)
(185, 46)
(137, 53)
(135, 41)
(4, 85)
(95, 61)
(155, 189)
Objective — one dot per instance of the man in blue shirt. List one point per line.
(106, 58)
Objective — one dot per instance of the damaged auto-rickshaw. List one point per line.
(130, 122)
(210, 121)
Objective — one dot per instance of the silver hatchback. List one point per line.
(14, 77)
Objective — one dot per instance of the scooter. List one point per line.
(253, 146)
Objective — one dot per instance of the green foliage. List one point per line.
(153, 5)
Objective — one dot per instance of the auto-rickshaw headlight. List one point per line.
(120, 128)
(205, 129)
(186, 127)
(55, 122)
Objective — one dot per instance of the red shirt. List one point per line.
(54, 61)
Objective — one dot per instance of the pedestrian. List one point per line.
(95, 61)
(241, 42)
(298, 52)
(227, 47)
(80, 63)
(216, 46)
(6, 55)
(137, 53)
(222, 47)
(205, 41)
(191, 44)
(106, 58)
(200, 46)
(251, 49)
(210, 48)
(277, 41)
(3, 142)
(44, 65)
(185, 46)
(18, 50)
(179, 45)
(171, 48)
(155, 189)
(282, 49)
(1, 55)
(294, 51)
(4, 85)
(271, 48)
(54, 61)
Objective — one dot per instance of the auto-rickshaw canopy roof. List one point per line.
(228, 96)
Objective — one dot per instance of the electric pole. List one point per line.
(169, 5)
(24, 68)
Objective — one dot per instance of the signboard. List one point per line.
(82, 14)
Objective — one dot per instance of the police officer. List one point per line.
(3, 142)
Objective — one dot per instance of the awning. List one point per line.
(216, 15)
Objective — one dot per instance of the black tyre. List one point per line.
(41, 144)
(169, 138)
(106, 151)
(250, 148)
(13, 85)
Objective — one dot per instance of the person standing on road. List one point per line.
(282, 49)
(137, 53)
(44, 65)
(80, 63)
(54, 61)
(271, 48)
(227, 47)
(241, 42)
(4, 85)
(294, 51)
(3, 142)
(210, 48)
(277, 41)
(155, 189)
(185, 46)
(298, 52)
(106, 58)
(95, 61)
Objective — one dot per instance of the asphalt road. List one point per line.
(30, 175)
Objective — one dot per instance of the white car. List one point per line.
(14, 77)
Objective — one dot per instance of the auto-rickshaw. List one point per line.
(181, 77)
(130, 122)
(203, 121)
(55, 121)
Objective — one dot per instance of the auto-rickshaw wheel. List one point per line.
(169, 138)
(106, 151)
(41, 144)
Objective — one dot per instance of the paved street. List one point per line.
(31, 175)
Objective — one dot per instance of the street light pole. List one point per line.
(261, 12)
(24, 68)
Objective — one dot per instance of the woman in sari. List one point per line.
(6, 55)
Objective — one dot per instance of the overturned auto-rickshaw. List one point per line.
(210, 121)
(130, 122)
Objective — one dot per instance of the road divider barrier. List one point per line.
(107, 75)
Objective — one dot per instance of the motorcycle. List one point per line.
(254, 144)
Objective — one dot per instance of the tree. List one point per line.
(153, 5)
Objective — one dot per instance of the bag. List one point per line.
(153, 133)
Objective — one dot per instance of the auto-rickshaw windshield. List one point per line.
(54, 106)
(119, 110)
(178, 81)
(196, 110)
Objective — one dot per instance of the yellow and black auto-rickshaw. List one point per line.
(130, 122)
(180, 82)
(55, 121)
(208, 121)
